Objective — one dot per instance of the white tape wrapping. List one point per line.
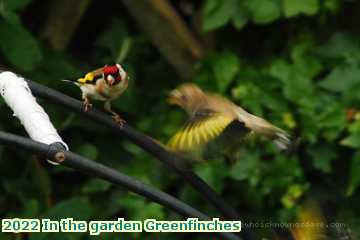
(36, 122)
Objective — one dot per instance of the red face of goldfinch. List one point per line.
(114, 74)
(104, 84)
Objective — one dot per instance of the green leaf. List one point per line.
(293, 193)
(95, 186)
(6, 236)
(213, 173)
(15, 5)
(340, 45)
(322, 157)
(225, 66)
(113, 38)
(247, 167)
(88, 150)
(354, 179)
(353, 140)
(19, 46)
(264, 11)
(139, 209)
(296, 7)
(332, 121)
(241, 15)
(332, 5)
(78, 208)
(217, 13)
(342, 79)
(280, 69)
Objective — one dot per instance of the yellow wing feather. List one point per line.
(89, 77)
(312, 224)
(199, 133)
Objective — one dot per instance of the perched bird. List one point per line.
(104, 84)
(210, 114)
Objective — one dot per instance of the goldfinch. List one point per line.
(104, 84)
(210, 114)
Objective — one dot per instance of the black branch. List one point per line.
(57, 153)
(158, 150)
(148, 144)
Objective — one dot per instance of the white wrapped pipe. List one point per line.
(36, 122)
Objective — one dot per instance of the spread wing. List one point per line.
(310, 214)
(203, 127)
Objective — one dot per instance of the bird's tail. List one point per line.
(67, 80)
(282, 140)
(263, 127)
(71, 81)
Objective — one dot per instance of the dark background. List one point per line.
(295, 63)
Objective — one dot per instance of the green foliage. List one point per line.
(218, 13)
(17, 44)
(293, 7)
(285, 60)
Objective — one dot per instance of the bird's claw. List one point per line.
(87, 106)
(118, 120)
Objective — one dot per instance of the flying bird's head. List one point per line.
(114, 74)
(187, 96)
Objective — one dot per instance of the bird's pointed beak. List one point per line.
(110, 80)
(173, 98)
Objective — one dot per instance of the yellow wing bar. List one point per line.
(197, 133)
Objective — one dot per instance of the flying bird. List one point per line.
(104, 84)
(209, 115)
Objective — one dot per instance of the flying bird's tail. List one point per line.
(282, 140)
(260, 126)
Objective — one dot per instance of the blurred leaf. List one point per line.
(288, 120)
(264, 11)
(88, 150)
(19, 46)
(217, 13)
(353, 140)
(340, 45)
(15, 5)
(322, 157)
(295, 7)
(280, 69)
(95, 186)
(140, 209)
(341, 79)
(332, 120)
(113, 38)
(247, 167)
(332, 5)
(241, 15)
(226, 65)
(5, 236)
(354, 177)
(213, 173)
(31, 208)
(293, 193)
(78, 208)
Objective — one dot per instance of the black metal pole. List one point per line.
(58, 154)
(145, 142)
